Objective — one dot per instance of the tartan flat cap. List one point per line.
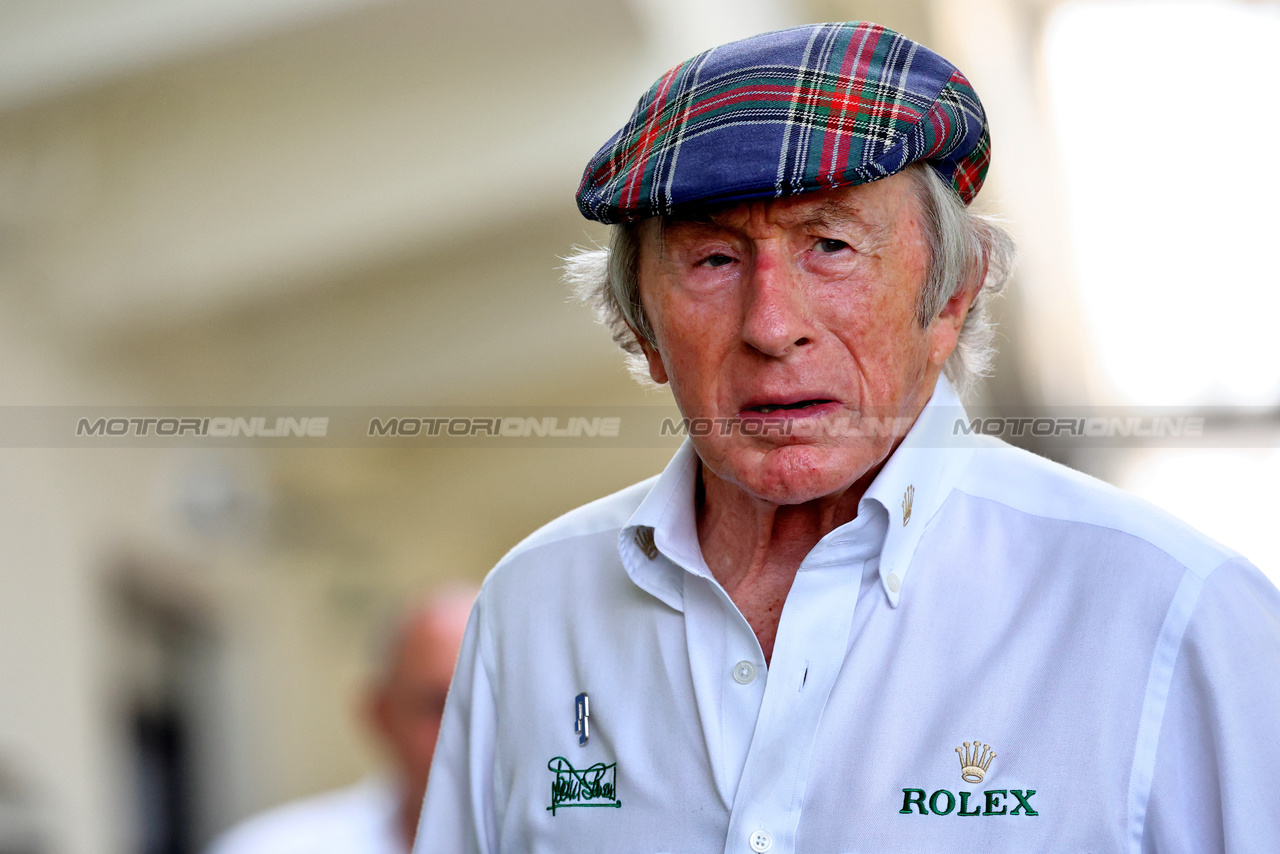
(792, 111)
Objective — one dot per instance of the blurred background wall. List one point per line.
(363, 202)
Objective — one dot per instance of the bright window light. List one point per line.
(1166, 117)
(1229, 494)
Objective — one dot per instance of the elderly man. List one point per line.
(831, 624)
(403, 708)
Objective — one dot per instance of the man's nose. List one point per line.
(775, 318)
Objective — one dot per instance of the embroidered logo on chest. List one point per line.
(973, 766)
(593, 786)
(975, 761)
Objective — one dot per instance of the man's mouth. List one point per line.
(801, 406)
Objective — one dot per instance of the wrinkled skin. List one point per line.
(798, 313)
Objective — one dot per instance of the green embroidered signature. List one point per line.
(596, 786)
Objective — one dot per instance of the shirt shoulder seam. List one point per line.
(1224, 554)
(573, 529)
(526, 547)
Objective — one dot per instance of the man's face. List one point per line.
(795, 316)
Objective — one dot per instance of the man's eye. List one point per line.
(830, 244)
(716, 260)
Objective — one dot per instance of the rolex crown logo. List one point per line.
(644, 541)
(973, 766)
(907, 498)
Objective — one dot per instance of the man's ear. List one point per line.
(957, 308)
(657, 370)
(945, 328)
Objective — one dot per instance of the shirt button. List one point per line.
(761, 841)
(744, 672)
(894, 582)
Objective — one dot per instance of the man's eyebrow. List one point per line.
(835, 213)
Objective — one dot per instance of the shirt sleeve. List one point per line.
(1217, 767)
(457, 814)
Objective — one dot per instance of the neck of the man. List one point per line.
(754, 548)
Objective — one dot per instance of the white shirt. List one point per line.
(1121, 670)
(358, 820)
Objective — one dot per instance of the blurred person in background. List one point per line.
(403, 710)
(835, 621)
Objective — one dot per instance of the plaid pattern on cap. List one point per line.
(787, 112)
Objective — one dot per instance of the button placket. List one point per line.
(800, 676)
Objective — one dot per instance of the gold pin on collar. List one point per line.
(644, 542)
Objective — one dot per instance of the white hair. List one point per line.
(961, 244)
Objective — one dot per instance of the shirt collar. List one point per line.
(915, 481)
(665, 524)
(911, 486)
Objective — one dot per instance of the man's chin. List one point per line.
(797, 473)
